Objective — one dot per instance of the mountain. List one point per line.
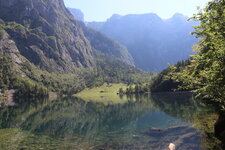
(152, 41)
(46, 34)
(104, 44)
(107, 46)
(44, 48)
(77, 13)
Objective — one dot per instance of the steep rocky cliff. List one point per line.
(8, 46)
(77, 13)
(46, 34)
(103, 43)
(107, 46)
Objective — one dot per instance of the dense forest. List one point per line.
(9, 80)
(205, 74)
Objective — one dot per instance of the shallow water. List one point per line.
(144, 122)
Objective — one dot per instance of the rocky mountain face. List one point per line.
(152, 41)
(103, 43)
(45, 33)
(8, 46)
(107, 46)
(77, 13)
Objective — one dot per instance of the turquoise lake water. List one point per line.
(147, 122)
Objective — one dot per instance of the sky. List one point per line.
(101, 10)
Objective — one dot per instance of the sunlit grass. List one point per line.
(107, 93)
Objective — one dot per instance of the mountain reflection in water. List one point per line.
(144, 122)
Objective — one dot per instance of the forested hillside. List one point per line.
(163, 81)
(44, 47)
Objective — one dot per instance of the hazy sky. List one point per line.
(100, 10)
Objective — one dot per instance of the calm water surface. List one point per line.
(144, 122)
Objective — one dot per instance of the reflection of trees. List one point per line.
(201, 114)
(13, 116)
(181, 105)
(77, 120)
(72, 116)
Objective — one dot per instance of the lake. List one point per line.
(144, 122)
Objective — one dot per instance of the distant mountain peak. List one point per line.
(77, 13)
(115, 17)
(104, 44)
(152, 41)
(146, 15)
(179, 16)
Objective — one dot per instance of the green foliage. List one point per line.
(33, 81)
(130, 90)
(30, 89)
(163, 83)
(24, 87)
(108, 70)
(206, 72)
(111, 70)
(56, 82)
(2, 22)
(159, 83)
(121, 91)
(15, 27)
(6, 73)
(1, 33)
(137, 89)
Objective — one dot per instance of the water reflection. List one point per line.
(144, 122)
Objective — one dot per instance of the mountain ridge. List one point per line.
(103, 43)
(153, 42)
(77, 13)
(43, 48)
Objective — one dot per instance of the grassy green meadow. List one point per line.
(107, 93)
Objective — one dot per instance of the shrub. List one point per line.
(1, 34)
